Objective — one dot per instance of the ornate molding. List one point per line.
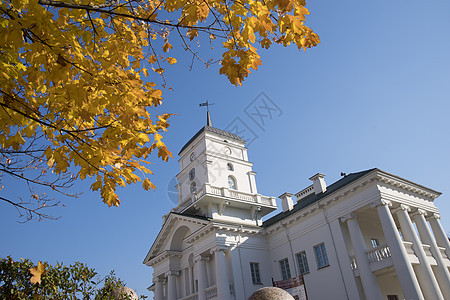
(406, 185)
(402, 207)
(434, 216)
(347, 217)
(380, 202)
(419, 212)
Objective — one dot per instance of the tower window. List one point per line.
(193, 187)
(230, 167)
(374, 243)
(232, 183)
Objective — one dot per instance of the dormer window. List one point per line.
(230, 167)
(193, 187)
(232, 183)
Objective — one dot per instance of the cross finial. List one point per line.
(208, 116)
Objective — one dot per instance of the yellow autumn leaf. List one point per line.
(86, 98)
(37, 273)
(171, 60)
(167, 46)
(146, 184)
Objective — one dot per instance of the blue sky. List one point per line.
(374, 93)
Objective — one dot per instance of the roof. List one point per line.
(313, 198)
(165, 229)
(213, 130)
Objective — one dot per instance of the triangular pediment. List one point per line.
(170, 237)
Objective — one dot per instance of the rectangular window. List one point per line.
(374, 243)
(285, 271)
(392, 297)
(254, 268)
(321, 256)
(302, 262)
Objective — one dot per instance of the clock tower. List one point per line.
(216, 179)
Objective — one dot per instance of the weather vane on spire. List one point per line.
(208, 116)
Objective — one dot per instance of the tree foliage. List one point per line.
(24, 280)
(80, 81)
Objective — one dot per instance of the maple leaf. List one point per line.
(72, 77)
(37, 273)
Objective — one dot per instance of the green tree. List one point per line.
(78, 82)
(24, 280)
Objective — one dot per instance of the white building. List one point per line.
(370, 235)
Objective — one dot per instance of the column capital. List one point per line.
(159, 280)
(200, 257)
(170, 273)
(434, 216)
(380, 202)
(347, 217)
(419, 212)
(402, 207)
(217, 249)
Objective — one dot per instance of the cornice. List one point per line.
(374, 176)
(164, 255)
(406, 185)
(165, 230)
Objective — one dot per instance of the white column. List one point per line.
(368, 279)
(441, 271)
(171, 286)
(223, 290)
(191, 278)
(187, 283)
(425, 275)
(439, 233)
(159, 294)
(405, 273)
(202, 278)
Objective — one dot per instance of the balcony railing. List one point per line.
(211, 292)
(190, 297)
(234, 194)
(374, 255)
(379, 253)
(305, 192)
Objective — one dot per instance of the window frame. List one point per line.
(303, 265)
(320, 253)
(193, 187)
(234, 187)
(374, 242)
(285, 269)
(256, 274)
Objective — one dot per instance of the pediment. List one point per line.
(171, 236)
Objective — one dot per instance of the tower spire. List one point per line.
(208, 115)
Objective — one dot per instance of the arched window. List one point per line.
(193, 187)
(230, 167)
(232, 183)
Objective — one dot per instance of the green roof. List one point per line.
(313, 198)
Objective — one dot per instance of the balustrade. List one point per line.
(211, 292)
(379, 253)
(225, 192)
(190, 297)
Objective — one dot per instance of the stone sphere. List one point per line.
(270, 293)
(125, 291)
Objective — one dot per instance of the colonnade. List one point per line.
(195, 278)
(418, 281)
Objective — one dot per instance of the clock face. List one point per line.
(192, 174)
(227, 150)
(192, 156)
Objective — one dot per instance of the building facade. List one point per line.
(370, 235)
